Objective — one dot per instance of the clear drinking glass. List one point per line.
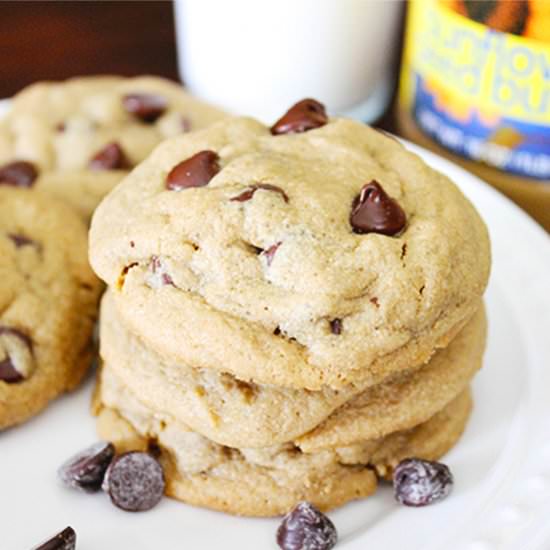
(258, 57)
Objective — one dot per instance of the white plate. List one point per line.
(501, 465)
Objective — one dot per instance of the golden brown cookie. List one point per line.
(271, 480)
(232, 412)
(82, 136)
(48, 303)
(322, 258)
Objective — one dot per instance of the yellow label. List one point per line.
(479, 91)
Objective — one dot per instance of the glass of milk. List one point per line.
(258, 57)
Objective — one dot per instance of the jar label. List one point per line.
(476, 77)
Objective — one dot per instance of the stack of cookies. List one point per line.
(63, 146)
(291, 311)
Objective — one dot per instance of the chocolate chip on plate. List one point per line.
(146, 107)
(418, 482)
(64, 540)
(134, 481)
(86, 469)
(16, 355)
(374, 211)
(19, 173)
(306, 528)
(196, 171)
(301, 117)
(248, 193)
(111, 157)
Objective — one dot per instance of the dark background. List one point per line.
(56, 40)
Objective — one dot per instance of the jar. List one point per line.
(475, 87)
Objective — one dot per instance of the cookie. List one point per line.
(269, 481)
(48, 303)
(82, 136)
(324, 258)
(232, 412)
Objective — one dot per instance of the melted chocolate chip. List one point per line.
(86, 470)
(306, 528)
(247, 194)
(196, 171)
(270, 252)
(9, 371)
(111, 157)
(20, 240)
(336, 326)
(134, 481)
(305, 115)
(146, 107)
(19, 174)
(373, 211)
(65, 540)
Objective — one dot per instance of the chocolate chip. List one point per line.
(16, 356)
(65, 540)
(247, 194)
(60, 127)
(86, 470)
(20, 240)
(270, 252)
(146, 107)
(306, 528)
(158, 276)
(419, 482)
(373, 211)
(19, 174)
(8, 372)
(134, 481)
(111, 157)
(196, 171)
(336, 326)
(305, 115)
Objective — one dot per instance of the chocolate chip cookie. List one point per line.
(232, 412)
(77, 139)
(48, 302)
(316, 253)
(271, 480)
